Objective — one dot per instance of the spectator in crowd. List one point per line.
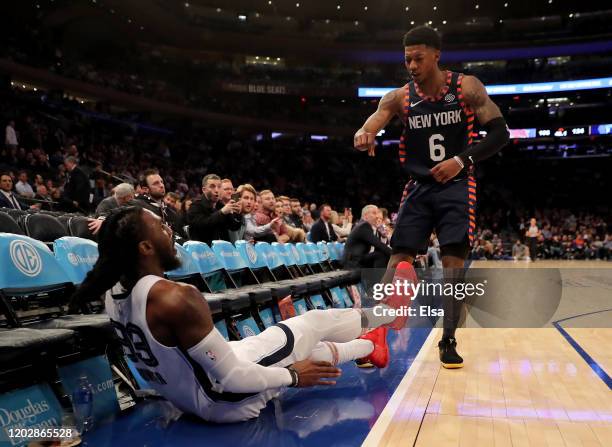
(7, 198)
(45, 198)
(173, 201)
(76, 189)
(295, 216)
(208, 218)
(363, 247)
(22, 187)
(227, 189)
(532, 234)
(10, 136)
(123, 194)
(295, 235)
(520, 252)
(307, 220)
(249, 229)
(342, 225)
(152, 198)
(322, 229)
(266, 214)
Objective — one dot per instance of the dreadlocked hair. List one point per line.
(118, 241)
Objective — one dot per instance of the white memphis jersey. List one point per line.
(170, 370)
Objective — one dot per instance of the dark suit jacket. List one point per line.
(77, 189)
(318, 233)
(207, 223)
(360, 241)
(5, 203)
(106, 206)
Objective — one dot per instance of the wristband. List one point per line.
(459, 161)
(294, 376)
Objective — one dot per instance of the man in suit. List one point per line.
(322, 229)
(7, 198)
(123, 193)
(76, 189)
(363, 247)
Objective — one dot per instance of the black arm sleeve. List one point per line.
(497, 137)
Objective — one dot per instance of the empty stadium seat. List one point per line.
(8, 224)
(78, 226)
(212, 270)
(34, 289)
(43, 227)
(188, 272)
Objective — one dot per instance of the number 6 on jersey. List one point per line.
(436, 151)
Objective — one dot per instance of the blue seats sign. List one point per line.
(35, 407)
(98, 374)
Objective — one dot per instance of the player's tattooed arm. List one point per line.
(477, 98)
(388, 107)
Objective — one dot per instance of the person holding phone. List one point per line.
(208, 218)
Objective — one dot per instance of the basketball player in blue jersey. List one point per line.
(437, 156)
(167, 331)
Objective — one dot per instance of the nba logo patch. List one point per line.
(449, 98)
(211, 355)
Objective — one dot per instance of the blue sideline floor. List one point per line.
(337, 416)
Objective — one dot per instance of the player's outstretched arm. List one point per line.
(388, 107)
(187, 315)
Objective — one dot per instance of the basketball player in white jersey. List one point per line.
(166, 329)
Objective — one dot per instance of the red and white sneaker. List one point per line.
(403, 272)
(379, 357)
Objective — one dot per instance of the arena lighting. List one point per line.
(276, 135)
(512, 89)
(318, 137)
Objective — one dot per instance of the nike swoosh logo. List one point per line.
(414, 104)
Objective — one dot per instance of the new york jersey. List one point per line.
(435, 128)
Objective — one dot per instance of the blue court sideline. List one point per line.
(340, 415)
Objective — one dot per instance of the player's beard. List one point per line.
(170, 261)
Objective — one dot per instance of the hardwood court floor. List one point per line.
(519, 387)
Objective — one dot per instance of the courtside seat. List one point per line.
(43, 227)
(212, 269)
(78, 226)
(8, 224)
(35, 289)
(188, 272)
(77, 256)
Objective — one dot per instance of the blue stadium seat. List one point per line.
(212, 270)
(77, 256)
(255, 260)
(275, 262)
(188, 272)
(240, 272)
(34, 289)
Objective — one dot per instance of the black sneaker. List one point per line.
(448, 354)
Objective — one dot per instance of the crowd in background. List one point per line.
(57, 157)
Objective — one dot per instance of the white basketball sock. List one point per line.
(337, 353)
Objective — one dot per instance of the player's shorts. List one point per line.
(449, 209)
